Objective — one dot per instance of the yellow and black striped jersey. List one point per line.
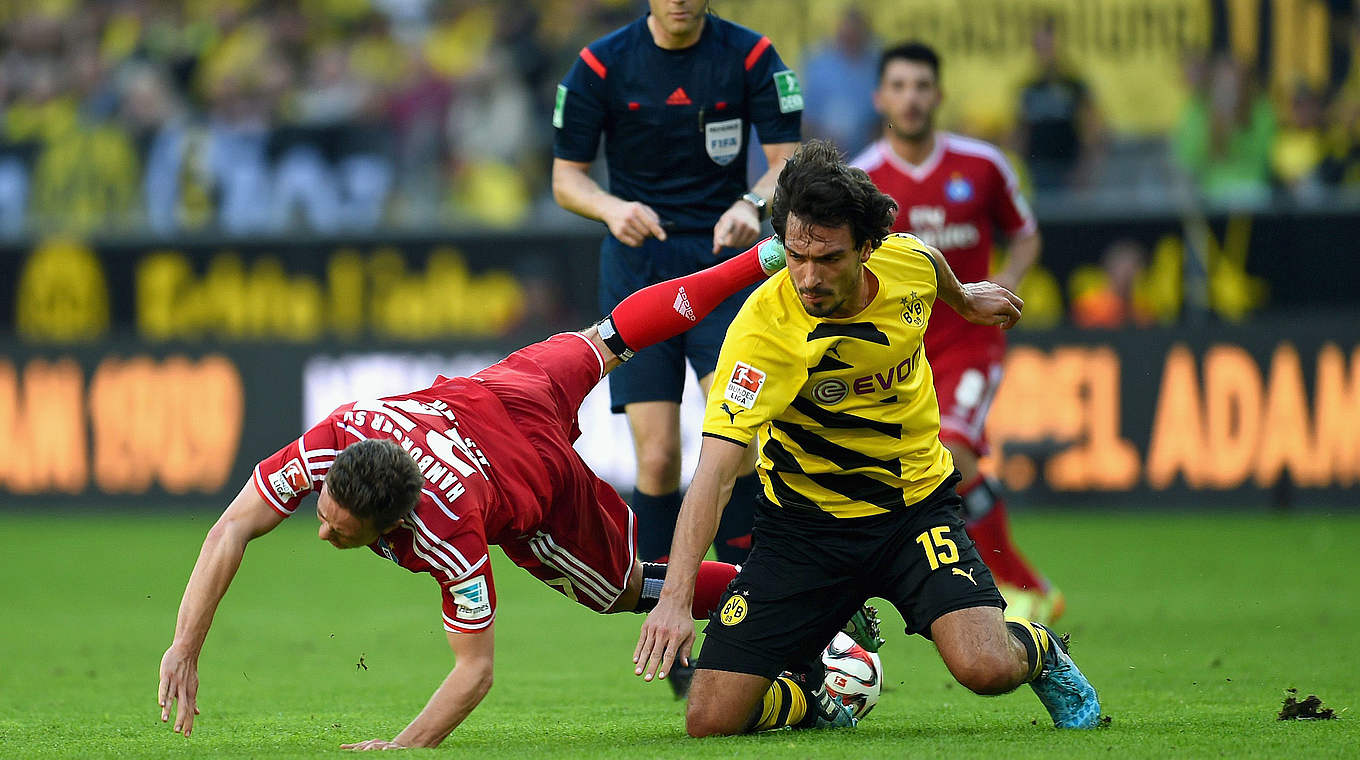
(845, 408)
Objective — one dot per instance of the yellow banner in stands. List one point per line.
(1130, 52)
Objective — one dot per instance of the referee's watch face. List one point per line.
(826, 268)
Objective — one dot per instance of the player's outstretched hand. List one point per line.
(372, 744)
(179, 683)
(738, 227)
(667, 635)
(986, 303)
(632, 222)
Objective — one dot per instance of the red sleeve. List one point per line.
(298, 468)
(458, 559)
(1010, 210)
(470, 604)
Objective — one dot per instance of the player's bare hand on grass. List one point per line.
(667, 635)
(179, 683)
(738, 227)
(986, 303)
(372, 744)
(633, 222)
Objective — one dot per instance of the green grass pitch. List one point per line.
(1191, 627)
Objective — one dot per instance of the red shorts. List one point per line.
(586, 542)
(965, 384)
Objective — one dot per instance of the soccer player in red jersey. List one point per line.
(954, 192)
(428, 479)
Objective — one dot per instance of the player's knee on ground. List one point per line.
(980, 651)
(987, 671)
(704, 718)
(721, 703)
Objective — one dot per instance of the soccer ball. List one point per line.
(853, 675)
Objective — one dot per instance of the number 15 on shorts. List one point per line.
(940, 549)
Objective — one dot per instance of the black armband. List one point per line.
(613, 340)
(653, 578)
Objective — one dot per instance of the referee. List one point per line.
(675, 95)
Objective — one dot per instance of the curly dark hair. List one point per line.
(376, 481)
(820, 188)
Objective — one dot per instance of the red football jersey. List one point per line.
(954, 200)
(481, 481)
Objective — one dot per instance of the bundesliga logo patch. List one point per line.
(472, 598)
(291, 481)
(744, 387)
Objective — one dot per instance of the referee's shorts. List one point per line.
(657, 373)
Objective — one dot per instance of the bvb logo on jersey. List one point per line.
(914, 311)
(734, 611)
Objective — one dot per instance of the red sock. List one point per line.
(662, 311)
(992, 535)
(709, 587)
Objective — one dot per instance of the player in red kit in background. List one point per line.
(954, 192)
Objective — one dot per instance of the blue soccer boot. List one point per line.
(1070, 699)
(830, 712)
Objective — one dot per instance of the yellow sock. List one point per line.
(1036, 641)
(784, 704)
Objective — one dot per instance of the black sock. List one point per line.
(733, 541)
(820, 703)
(1035, 641)
(656, 523)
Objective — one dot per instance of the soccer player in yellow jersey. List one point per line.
(824, 370)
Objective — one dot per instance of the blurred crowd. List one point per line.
(1236, 143)
(260, 116)
(1244, 147)
(251, 117)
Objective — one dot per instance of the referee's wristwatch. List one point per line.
(762, 206)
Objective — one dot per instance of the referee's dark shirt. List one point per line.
(676, 122)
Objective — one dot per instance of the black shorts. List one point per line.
(808, 572)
